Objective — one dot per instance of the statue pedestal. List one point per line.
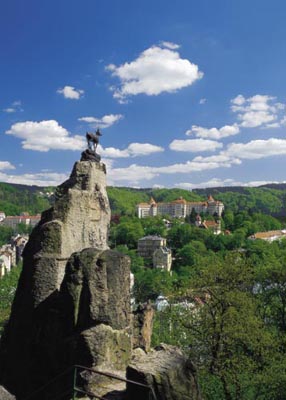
(90, 155)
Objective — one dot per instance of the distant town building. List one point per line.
(179, 208)
(148, 244)
(10, 254)
(269, 236)
(15, 220)
(161, 303)
(154, 248)
(7, 259)
(2, 267)
(214, 226)
(2, 215)
(19, 242)
(162, 258)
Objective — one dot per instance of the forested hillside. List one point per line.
(269, 199)
(226, 293)
(123, 200)
(15, 199)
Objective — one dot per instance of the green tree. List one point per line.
(150, 283)
(228, 339)
(128, 231)
(154, 226)
(137, 262)
(179, 235)
(271, 287)
(8, 285)
(24, 229)
(191, 253)
(5, 234)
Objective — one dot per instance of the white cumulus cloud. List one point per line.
(104, 122)
(9, 110)
(45, 136)
(69, 92)
(157, 69)
(133, 150)
(195, 145)
(222, 158)
(256, 149)
(16, 106)
(4, 165)
(170, 45)
(38, 179)
(132, 174)
(143, 149)
(217, 182)
(213, 133)
(257, 111)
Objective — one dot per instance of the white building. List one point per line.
(7, 259)
(162, 258)
(2, 215)
(179, 208)
(15, 220)
(161, 303)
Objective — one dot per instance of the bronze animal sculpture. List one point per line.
(93, 140)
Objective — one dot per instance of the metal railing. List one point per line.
(150, 392)
(73, 390)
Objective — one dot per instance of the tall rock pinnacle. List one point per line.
(79, 219)
(72, 307)
(34, 347)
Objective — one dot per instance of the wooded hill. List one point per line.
(269, 199)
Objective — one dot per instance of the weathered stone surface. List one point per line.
(167, 371)
(142, 326)
(90, 155)
(95, 295)
(108, 349)
(40, 339)
(86, 322)
(72, 306)
(4, 395)
(79, 219)
(96, 289)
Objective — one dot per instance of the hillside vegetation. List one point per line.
(226, 293)
(15, 199)
(268, 199)
(262, 199)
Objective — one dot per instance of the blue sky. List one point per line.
(187, 94)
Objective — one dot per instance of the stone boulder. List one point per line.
(169, 374)
(95, 297)
(88, 323)
(4, 395)
(142, 326)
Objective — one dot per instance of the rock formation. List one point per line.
(4, 395)
(168, 373)
(143, 326)
(72, 304)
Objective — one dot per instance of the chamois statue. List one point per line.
(93, 140)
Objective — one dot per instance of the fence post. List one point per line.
(74, 383)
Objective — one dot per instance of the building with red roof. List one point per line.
(179, 208)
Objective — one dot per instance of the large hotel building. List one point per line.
(179, 208)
